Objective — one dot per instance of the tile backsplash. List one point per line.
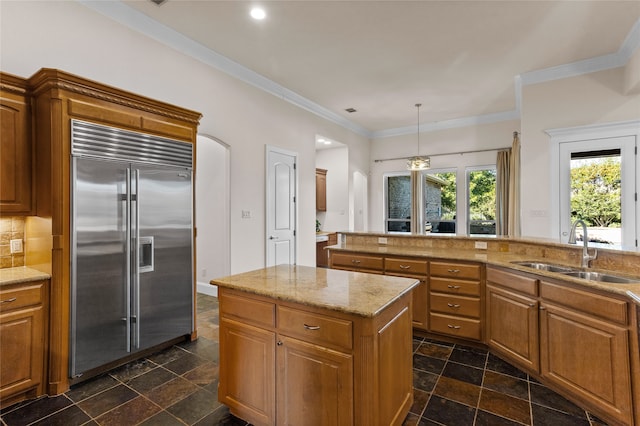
(11, 228)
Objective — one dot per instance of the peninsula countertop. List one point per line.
(351, 292)
(631, 291)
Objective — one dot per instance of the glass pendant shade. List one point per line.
(418, 163)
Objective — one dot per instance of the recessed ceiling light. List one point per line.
(258, 13)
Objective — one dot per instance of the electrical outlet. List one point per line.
(482, 245)
(382, 240)
(203, 272)
(16, 246)
(246, 214)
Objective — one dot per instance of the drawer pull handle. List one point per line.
(13, 299)
(453, 271)
(455, 287)
(455, 327)
(453, 305)
(355, 261)
(405, 266)
(279, 343)
(311, 327)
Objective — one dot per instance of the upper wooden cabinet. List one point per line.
(321, 190)
(16, 154)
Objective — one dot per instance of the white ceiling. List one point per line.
(460, 59)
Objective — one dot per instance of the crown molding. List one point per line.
(140, 22)
(449, 124)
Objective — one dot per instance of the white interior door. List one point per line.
(281, 189)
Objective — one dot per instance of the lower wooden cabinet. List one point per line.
(22, 341)
(586, 355)
(289, 364)
(574, 340)
(325, 393)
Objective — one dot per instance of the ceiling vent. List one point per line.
(159, 2)
(350, 110)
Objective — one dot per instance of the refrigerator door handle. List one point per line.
(136, 266)
(127, 292)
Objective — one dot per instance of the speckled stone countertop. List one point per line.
(496, 258)
(351, 292)
(21, 274)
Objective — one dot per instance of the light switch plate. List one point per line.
(382, 240)
(16, 246)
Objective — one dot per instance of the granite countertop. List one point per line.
(21, 274)
(356, 293)
(631, 291)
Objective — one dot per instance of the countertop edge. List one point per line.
(21, 274)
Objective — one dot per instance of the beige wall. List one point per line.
(71, 37)
(578, 101)
(485, 136)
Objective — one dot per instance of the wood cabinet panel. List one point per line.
(605, 307)
(455, 305)
(405, 267)
(455, 326)
(16, 152)
(248, 351)
(315, 384)
(321, 190)
(454, 270)
(252, 311)
(23, 334)
(319, 329)
(512, 326)
(520, 283)
(448, 285)
(596, 369)
(357, 262)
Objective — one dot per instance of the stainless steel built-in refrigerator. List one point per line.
(132, 255)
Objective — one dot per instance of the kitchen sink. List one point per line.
(545, 267)
(602, 277)
(585, 275)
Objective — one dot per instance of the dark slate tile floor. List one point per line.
(453, 385)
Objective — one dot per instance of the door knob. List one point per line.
(273, 238)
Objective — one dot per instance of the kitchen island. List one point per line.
(300, 345)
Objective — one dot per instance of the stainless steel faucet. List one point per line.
(586, 257)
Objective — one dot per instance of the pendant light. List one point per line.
(418, 162)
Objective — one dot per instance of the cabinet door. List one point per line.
(321, 190)
(419, 306)
(315, 384)
(589, 358)
(22, 351)
(512, 326)
(15, 156)
(247, 352)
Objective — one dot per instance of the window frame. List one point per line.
(468, 171)
(385, 204)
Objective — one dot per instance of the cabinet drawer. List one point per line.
(405, 266)
(357, 261)
(444, 285)
(455, 270)
(455, 326)
(20, 296)
(256, 312)
(315, 328)
(456, 305)
(516, 282)
(591, 303)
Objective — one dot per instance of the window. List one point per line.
(398, 202)
(440, 201)
(481, 201)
